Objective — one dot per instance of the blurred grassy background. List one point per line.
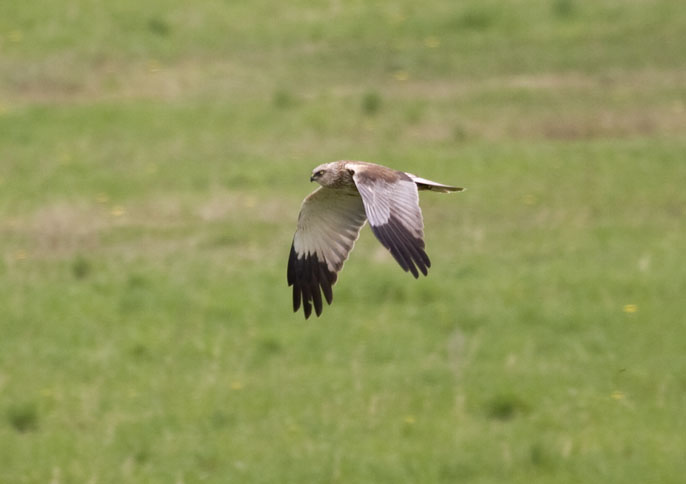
(153, 157)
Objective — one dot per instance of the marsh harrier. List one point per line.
(331, 217)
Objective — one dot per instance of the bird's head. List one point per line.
(324, 174)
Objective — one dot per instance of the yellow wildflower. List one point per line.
(401, 75)
(15, 36)
(529, 199)
(432, 42)
(236, 385)
(154, 66)
(630, 308)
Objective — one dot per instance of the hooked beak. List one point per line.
(312, 178)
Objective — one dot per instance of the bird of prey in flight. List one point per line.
(331, 217)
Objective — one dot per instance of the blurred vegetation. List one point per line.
(153, 157)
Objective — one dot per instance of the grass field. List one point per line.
(153, 157)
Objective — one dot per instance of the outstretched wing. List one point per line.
(391, 202)
(328, 226)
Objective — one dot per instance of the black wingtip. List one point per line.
(309, 277)
(290, 271)
(405, 248)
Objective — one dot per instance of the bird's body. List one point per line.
(331, 217)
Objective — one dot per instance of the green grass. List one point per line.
(153, 157)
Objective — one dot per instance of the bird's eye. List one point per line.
(320, 172)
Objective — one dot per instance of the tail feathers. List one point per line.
(424, 184)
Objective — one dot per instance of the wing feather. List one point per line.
(391, 202)
(328, 226)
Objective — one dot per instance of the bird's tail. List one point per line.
(424, 184)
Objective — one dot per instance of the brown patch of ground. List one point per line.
(159, 225)
(64, 227)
